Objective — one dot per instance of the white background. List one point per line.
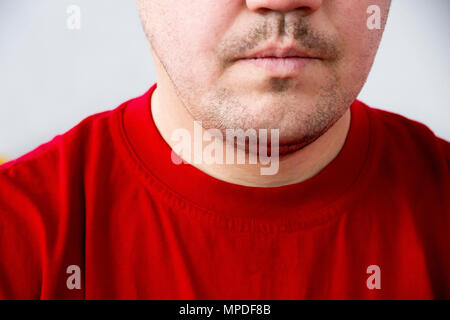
(51, 77)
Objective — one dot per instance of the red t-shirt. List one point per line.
(106, 197)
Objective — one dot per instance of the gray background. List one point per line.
(52, 77)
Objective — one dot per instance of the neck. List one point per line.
(170, 114)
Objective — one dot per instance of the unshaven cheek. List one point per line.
(210, 24)
(359, 44)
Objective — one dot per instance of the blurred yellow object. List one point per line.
(2, 160)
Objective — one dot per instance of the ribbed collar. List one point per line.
(297, 204)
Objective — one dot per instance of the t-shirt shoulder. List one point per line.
(40, 180)
(411, 157)
(75, 138)
(41, 192)
(409, 169)
(408, 135)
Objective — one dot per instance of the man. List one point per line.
(137, 202)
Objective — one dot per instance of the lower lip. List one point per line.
(280, 66)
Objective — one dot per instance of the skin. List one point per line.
(196, 46)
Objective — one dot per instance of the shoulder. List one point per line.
(408, 141)
(41, 193)
(411, 165)
(46, 158)
(53, 171)
(72, 144)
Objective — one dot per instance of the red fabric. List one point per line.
(106, 196)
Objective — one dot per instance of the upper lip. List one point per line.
(278, 52)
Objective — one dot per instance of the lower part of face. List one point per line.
(202, 46)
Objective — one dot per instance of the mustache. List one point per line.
(312, 41)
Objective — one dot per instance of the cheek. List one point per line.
(195, 27)
(359, 44)
(350, 20)
(187, 34)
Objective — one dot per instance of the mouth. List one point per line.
(279, 61)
